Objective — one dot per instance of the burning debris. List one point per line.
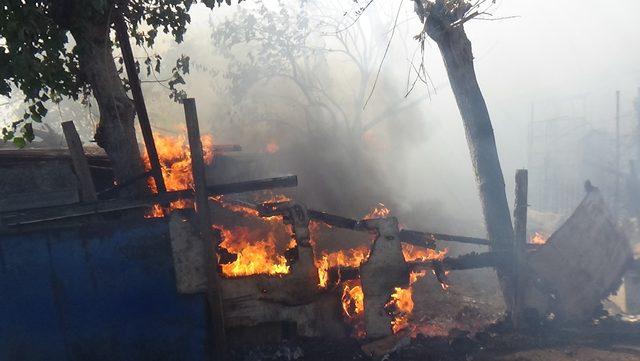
(175, 163)
(580, 264)
(538, 238)
(273, 266)
(258, 243)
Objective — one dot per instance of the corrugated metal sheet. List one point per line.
(103, 292)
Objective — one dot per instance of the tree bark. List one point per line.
(116, 132)
(455, 48)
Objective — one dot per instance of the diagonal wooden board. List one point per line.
(581, 264)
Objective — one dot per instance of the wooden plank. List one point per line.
(227, 148)
(80, 164)
(418, 238)
(520, 237)
(380, 274)
(254, 185)
(214, 291)
(91, 152)
(35, 215)
(408, 235)
(19, 201)
(138, 99)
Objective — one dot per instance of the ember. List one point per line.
(379, 211)
(538, 238)
(272, 147)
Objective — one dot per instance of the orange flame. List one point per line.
(256, 252)
(256, 247)
(272, 147)
(379, 211)
(539, 238)
(413, 253)
(343, 258)
(353, 306)
(402, 303)
(175, 162)
(259, 257)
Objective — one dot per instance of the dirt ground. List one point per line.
(574, 353)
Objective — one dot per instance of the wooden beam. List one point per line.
(51, 213)
(520, 244)
(428, 237)
(138, 99)
(214, 291)
(463, 262)
(80, 163)
(418, 238)
(253, 185)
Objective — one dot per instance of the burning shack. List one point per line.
(268, 267)
(185, 249)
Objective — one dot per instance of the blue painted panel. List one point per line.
(97, 294)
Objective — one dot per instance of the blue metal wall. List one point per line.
(102, 292)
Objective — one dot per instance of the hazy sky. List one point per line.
(554, 54)
(567, 57)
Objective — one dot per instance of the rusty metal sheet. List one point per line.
(581, 263)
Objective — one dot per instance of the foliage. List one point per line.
(277, 42)
(327, 57)
(39, 58)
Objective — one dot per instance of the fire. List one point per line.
(379, 211)
(538, 238)
(259, 257)
(352, 298)
(400, 304)
(344, 258)
(256, 251)
(412, 253)
(258, 245)
(237, 208)
(272, 147)
(353, 306)
(175, 162)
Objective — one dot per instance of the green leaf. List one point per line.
(7, 134)
(27, 132)
(19, 142)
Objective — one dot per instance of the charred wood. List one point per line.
(36, 215)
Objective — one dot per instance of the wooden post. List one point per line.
(616, 204)
(214, 295)
(138, 99)
(520, 236)
(80, 164)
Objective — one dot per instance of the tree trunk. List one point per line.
(455, 48)
(116, 132)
